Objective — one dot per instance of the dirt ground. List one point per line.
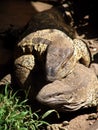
(18, 13)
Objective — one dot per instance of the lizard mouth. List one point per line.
(61, 104)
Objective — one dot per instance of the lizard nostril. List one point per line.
(50, 71)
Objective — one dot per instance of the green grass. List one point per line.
(16, 115)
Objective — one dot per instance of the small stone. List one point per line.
(92, 116)
(64, 123)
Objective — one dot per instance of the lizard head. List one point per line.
(57, 58)
(60, 96)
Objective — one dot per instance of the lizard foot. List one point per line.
(58, 126)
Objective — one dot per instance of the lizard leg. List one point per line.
(82, 52)
(23, 67)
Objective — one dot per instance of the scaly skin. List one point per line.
(78, 90)
(55, 50)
